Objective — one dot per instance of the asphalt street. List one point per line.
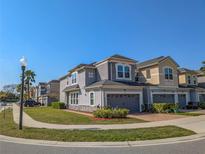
(193, 147)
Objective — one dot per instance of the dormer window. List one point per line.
(127, 72)
(123, 71)
(74, 78)
(120, 71)
(168, 73)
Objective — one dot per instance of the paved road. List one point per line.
(195, 147)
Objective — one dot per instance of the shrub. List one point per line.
(202, 105)
(165, 107)
(192, 105)
(111, 113)
(58, 105)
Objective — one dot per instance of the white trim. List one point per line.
(123, 71)
(126, 92)
(93, 98)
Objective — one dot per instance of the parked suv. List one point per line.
(31, 103)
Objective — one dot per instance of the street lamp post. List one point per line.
(23, 63)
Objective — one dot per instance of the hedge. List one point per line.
(58, 105)
(111, 113)
(202, 105)
(165, 107)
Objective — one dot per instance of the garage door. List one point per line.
(182, 101)
(129, 101)
(163, 98)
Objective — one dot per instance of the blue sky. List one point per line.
(56, 35)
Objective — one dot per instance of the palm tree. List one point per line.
(29, 79)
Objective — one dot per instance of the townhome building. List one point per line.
(160, 76)
(122, 82)
(48, 92)
(189, 78)
(110, 82)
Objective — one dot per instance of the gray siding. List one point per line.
(112, 72)
(63, 84)
(88, 79)
(102, 71)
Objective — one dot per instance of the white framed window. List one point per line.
(74, 78)
(91, 74)
(194, 80)
(123, 71)
(74, 98)
(168, 73)
(92, 98)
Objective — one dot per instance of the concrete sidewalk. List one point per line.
(196, 124)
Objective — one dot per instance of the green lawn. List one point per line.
(9, 128)
(189, 113)
(56, 116)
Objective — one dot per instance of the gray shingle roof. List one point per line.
(121, 57)
(154, 61)
(185, 70)
(113, 83)
(71, 88)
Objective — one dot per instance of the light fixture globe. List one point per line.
(23, 61)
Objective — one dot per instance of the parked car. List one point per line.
(31, 103)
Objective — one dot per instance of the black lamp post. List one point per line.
(23, 63)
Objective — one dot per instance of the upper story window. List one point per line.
(168, 72)
(74, 77)
(92, 98)
(91, 74)
(123, 71)
(120, 71)
(189, 79)
(194, 80)
(148, 74)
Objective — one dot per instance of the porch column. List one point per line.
(176, 98)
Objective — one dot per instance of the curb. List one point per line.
(192, 138)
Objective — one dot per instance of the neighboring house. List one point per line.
(160, 76)
(52, 92)
(201, 79)
(188, 79)
(110, 82)
(40, 90)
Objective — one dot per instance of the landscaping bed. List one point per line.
(9, 128)
(57, 116)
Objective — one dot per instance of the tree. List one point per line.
(29, 79)
(203, 67)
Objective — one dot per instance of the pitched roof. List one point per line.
(113, 83)
(186, 70)
(117, 56)
(82, 66)
(154, 61)
(72, 88)
(121, 57)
